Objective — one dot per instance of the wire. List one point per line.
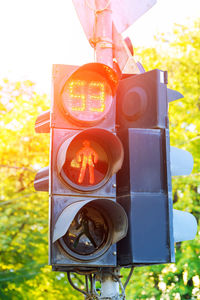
(91, 292)
(89, 295)
(128, 278)
(86, 283)
(75, 287)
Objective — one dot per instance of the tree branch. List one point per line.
(18, 168)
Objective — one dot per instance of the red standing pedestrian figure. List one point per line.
(87, 157)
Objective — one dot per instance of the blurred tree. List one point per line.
(24, 273)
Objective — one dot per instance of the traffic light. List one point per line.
(144, 181)
(86, 222)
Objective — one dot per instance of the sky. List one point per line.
(34, 34)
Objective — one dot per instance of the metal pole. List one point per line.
(103, 39)
(103, 32)
(104, 54)
(110, 284)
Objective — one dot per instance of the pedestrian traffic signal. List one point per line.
(144, 181)
(88, 160)
(86, 222)
(79, 159)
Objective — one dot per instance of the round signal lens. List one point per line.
(86, 164)
(86, 97)
(88, 232)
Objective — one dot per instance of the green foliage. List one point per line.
(179, 55)
(24, 270)
(24, 273)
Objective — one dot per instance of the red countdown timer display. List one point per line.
(87, 97)
(86, 164)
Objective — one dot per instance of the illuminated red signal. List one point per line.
(87, 156)
(86, 163)
(87, 160)
(87, 97)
